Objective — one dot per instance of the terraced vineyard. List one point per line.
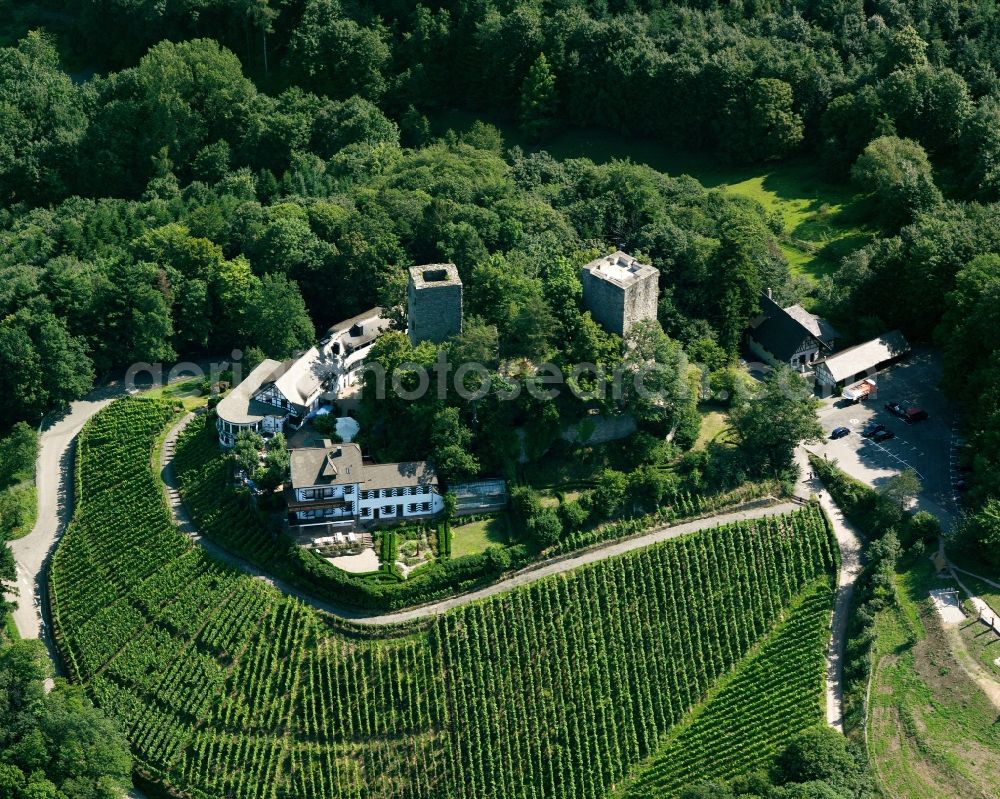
(227, 688)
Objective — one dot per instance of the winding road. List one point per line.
(54, 480)
(55, 499)
(55, 488)
(527, 575)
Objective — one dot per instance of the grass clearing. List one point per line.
(550, 498)
(476, 537)
(189, 392)
(821, 220)
(982, 644)
(932, 729)
(714, 424)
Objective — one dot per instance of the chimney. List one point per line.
(769, 296)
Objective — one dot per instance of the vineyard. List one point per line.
(226, 688)
(776, 693)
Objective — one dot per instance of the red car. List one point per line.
(915, 415)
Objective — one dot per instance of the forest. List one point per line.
(191, 177)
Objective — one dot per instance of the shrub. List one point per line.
(18, 452)
(544, 527)
(819, 753)
(573, 515)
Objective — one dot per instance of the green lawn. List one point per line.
(982, 644)
(475, 537)
(820, 218)
(550, 497)
(713, 426)
(188, 392)
(817, 215)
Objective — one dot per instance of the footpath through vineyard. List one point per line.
(849, 541)
(533, 573)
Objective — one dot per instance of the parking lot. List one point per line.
(926, 446)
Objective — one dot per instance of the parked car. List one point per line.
(840, 432)
(915, 415)
(872, 428)
(883, 435)
(895, 409)
(961, 485)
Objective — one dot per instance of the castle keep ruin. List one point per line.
(434, 303)
(619, 291)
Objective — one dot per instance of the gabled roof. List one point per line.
(336, 464)
(308, 375)
(863, 357)
(305, 377)
(816, 325)
(342, 464)
(240, 407)
(780, 332)
(358, 331)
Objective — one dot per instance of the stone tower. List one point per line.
(619, 291)
(433, 303)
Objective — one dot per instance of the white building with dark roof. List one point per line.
(791, 336)
(332, 483)
(241, 410)
(278, 394)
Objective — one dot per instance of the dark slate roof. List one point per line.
(342, 464)
(816, 325)
(779, 332)
(336, 464)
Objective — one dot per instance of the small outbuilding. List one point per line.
(861, 361)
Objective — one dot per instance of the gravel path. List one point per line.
(524, 577)
(849, 541)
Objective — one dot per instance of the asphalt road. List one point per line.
(54, 479)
